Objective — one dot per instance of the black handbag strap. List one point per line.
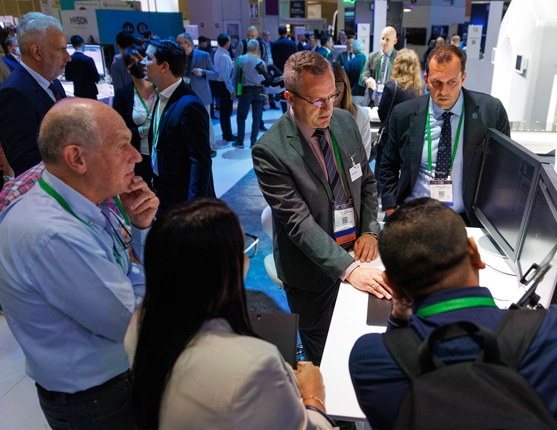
(392, 102)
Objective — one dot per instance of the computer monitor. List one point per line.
(540, 233)
(95, 52)
(505, 188)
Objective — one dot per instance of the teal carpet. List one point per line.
(246, 200)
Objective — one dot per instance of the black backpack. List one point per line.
(487, 393)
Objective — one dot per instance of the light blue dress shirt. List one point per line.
(66, 298)
(421, 188)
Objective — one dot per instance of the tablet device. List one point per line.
(280, 329)
(378, 311)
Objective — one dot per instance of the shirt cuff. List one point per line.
(349, 270)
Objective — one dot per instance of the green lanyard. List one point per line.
(455, 146)
(156, 122)
(240, 77)
(456, 304)
(386, 67)
(340, 167)
(141, 99)
(54, 194)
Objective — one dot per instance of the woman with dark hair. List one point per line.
(135, 102)
(405, 84)
(198, 363)
(362, 115)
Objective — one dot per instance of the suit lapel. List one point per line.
(416, 132)
(42, 95)
(301, 146)
(169, 108)
(472, 139)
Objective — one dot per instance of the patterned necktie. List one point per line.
(55, 91)
(334, 179)
(384, 61)
(444, 154)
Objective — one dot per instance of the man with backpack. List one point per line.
(401, 381)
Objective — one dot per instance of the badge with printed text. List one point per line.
(380, 88)
(442, 190)
(345, 225)
(355, 172)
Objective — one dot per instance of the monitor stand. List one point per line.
(487, 244)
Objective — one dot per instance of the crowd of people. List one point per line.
(110, 229)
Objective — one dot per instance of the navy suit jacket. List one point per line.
(11, 62)
(23, 105)
(403, 152)
(83, 72)
(281, 49)
(183, 150)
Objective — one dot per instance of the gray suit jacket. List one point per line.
(372, 65)
(296, 189)
(200, 84)
(402, 155)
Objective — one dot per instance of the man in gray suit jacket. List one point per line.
(379, 66)
(290, 162)
(406, 168)
(199, 70)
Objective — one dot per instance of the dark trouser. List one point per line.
(315, 310)
(251, 96)
(107, 406)
(226, 105)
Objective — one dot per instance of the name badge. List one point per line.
(380, 88)
(187, 80)
(355, 172)
(442, 190)
(345, 226)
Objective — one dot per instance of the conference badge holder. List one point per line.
(345, 226)
(442, 190)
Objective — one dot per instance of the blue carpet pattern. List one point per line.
(246, 199)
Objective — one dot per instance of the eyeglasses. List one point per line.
(319, 103)
(252, 243)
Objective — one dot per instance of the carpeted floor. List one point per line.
(246, 200)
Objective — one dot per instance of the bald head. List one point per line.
(87, 145)
(71, 121)
(388, 39)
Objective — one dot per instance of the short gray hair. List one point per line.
(357, 46)
(253, 45)
(188, 37)
(303, 62)
(32, 29)
(77, 126)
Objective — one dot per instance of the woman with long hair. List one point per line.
(362, 115)
(407, 79)
(198, 363)
(135, 103)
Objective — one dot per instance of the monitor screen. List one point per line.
(540, 232)
(505, 186)
(95, 52)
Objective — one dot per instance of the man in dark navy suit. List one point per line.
(179, 133)
(12, 50)
(82, 71)
(32, 88)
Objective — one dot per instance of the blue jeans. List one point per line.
(107, 406)
(251, 96)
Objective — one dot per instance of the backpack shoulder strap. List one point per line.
(516, 332)
(403, 344)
